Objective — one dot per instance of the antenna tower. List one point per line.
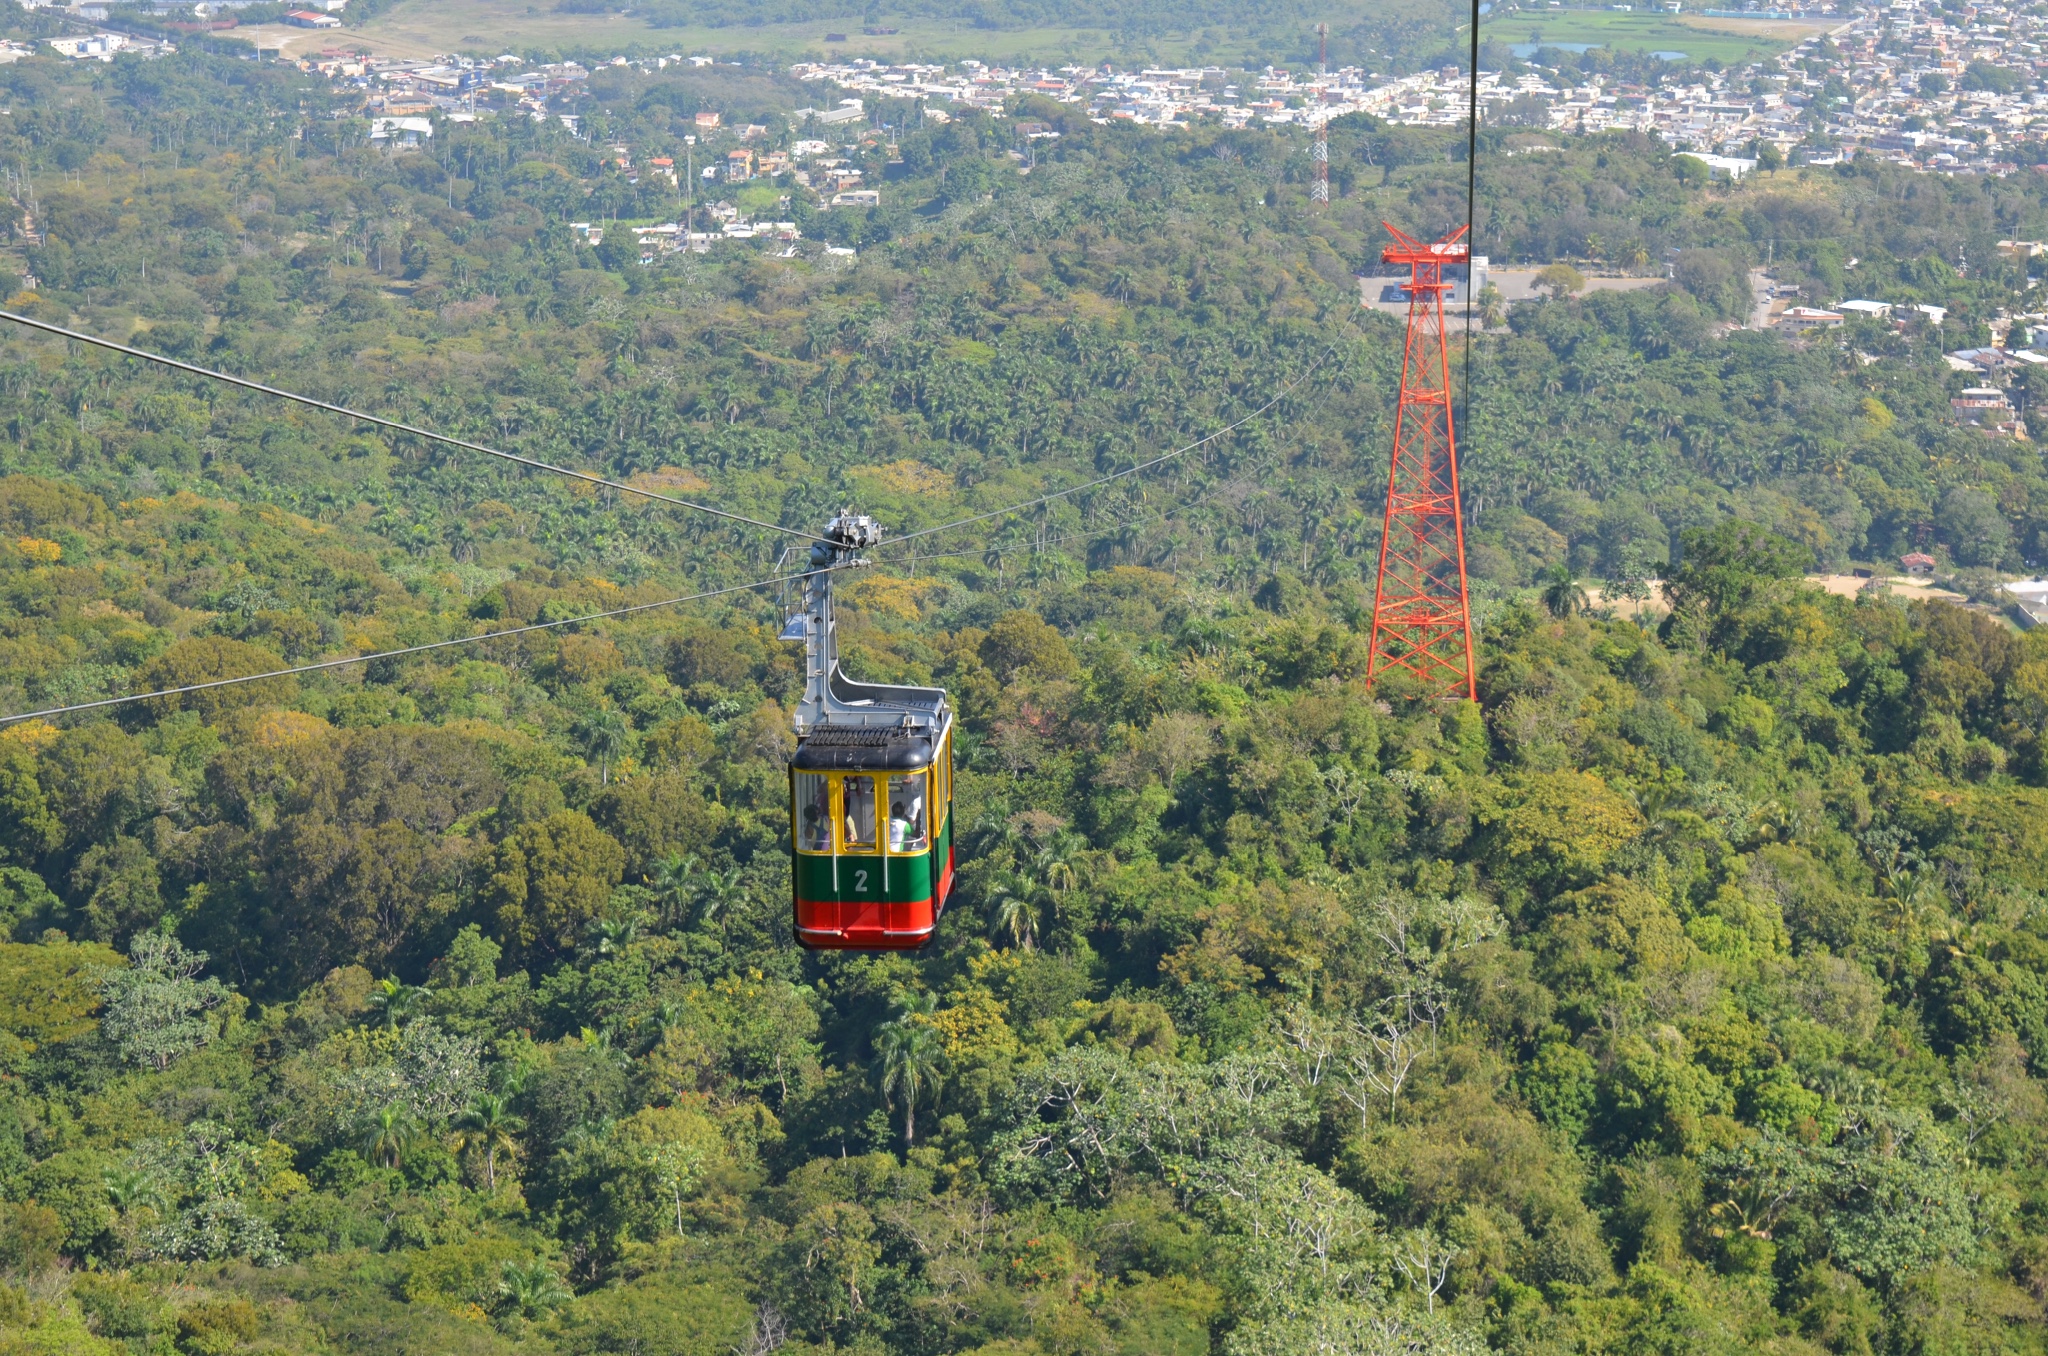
(1319, 190)
(1422, 616)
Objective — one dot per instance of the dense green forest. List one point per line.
(1679, 996)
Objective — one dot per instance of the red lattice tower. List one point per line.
(1422, 617)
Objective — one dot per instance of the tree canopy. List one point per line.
(1683, 993)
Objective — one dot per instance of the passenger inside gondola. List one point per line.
(906, 814)
(814, 830)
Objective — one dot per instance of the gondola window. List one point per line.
(858, 795)
(907, 813)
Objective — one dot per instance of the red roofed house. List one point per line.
(1917, 562)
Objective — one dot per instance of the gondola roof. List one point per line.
(867, 748)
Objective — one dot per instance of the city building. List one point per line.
(1808, 318)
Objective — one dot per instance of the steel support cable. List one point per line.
(1471, 206)
(624, 488)
(418, 649)
(1159, 460)
(95, 341)
(246, 384)
(393, 424)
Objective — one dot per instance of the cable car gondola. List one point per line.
(870, 785)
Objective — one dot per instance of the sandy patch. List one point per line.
(1916, 587)
(1787, 30)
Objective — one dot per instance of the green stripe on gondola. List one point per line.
(908, 878)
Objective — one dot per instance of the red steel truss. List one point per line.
(1422, 618)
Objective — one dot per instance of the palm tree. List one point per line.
(1493, 310)
(673, 885)
(1055, 872)
(992, 834)
(667, 1014)
(509, 1077)
(1059, 862)
(1048, 567)
(605, 737)
(389, 1135)
(908, 1059)
(1128, 538)
(397, 1000)
(1561, 591)
(611, 936)
(131, 1189)
(598, 1040)
(1016, 912)
(1899, 866)
(1653, 799)
(534, 1289)
(717, 895)
(488, 1125)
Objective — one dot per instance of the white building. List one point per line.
(97, 47)
(400, 132)
(2030, 600)
(1727, 166)
(1808, 318)
(849, 110)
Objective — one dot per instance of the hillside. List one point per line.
(1680, 995)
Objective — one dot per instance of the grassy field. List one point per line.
(485, 27)
(1699, 37)
(430, 27)
(476, 27)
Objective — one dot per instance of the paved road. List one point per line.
(1760, 287)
